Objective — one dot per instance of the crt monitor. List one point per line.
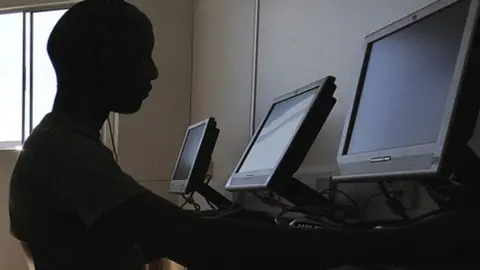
(402, 123)
(195, 156)
(284, 137)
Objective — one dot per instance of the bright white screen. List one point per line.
(276, 133)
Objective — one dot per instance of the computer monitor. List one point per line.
(413, 102)
(195, 156)
(190, 173)
(281, 142)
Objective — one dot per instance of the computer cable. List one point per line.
(334, 212)
(190, 198)
(109, 7)
(114, 147)
(376, 195)
(220, 213)
(271, 200)
(449, 194)
(191, 201)
(369, 200)
(393, 203)
(330, 191)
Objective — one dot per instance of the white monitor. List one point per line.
(283, 139)
(407, 93)
(194, 158)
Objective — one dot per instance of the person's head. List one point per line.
(102, 54)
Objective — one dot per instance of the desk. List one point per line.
(164, 265)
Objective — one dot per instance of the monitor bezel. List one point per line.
(241, 180)
(437, 148)
(187, 183)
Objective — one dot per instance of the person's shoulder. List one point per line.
(60, 144)
(57, 139)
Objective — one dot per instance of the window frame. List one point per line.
(29, 11)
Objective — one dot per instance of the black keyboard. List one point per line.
(305, 224)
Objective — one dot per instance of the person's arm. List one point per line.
(114, 206)
(161, 229)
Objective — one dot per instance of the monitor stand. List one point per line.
(299, 194)
(227, 209)
(213, 196)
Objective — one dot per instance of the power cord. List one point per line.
(330, 191)
(376, 195)
(318, 213)
(369, 200)
(110, 129)
(221, 214)
(393, 203)
(327, 217)
(271, 200)
(191, 201)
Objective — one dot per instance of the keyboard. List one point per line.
(305, 224)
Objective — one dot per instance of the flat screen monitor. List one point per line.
(195, 156)
(284, 137)
(407, 93)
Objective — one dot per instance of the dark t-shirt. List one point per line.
(65, 179)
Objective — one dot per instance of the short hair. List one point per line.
(87, 29)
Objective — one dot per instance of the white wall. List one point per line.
(149, 141)
(11, 255)
(222, 76)
(304, 40)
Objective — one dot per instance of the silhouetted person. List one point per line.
(76, 209)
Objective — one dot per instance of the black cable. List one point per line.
(184, 203)
(190, 200)
(369, 199)
(373, 196)
(426, 215)
(311, 211)
(279, 215)
(208, 178)
(393, 203)
(109, 6)
(315, 213)
(271, 201)
(354, 203)
(115, 154)
(222, 214)
(211, 204)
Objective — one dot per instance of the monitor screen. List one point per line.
(406, 83)
(276, 133)
(189, 152)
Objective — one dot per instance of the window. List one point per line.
(43, 75)
(11, 79)
(27, 78)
